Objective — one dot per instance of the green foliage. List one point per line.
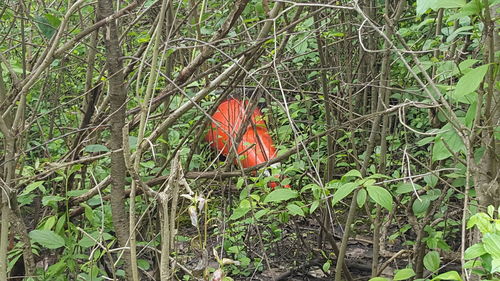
(417, 172)
(47, 239)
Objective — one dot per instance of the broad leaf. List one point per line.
(238, 213)
(407, 187)
(424, 5)
(32, 186)
(343, 191)
(47, 238)
(474, 251)
(261, 213)
(279, 195)
(295, 210)
(381, 196)
(491, 243)
(94, 148)
(432, 261)
(450, 275)
(378, 279)
(495, 265)
(361, 198)
(314, 206)
(440, 151)
(404, 274)
(48, 24)
(420, 205)
(87, 241)
(46, 200)
(352, 173)
(469, 83)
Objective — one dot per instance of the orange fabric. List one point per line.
(256, 145)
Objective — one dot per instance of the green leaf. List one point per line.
(472, 8)
(259, 214)
(47, 238)
(407, 187)
(32, 186)
(295, 210)
(314, 206)
(470, 115)
(404, 274)
(469, 83)
(361, 198)
(495, 265)
(148, 164)
(279, 195)
(143, 264)
(425, 141)
(78, 192)
(491, 243)
(47, 24)
(453, 141)
(432, 261)
(431, 180)
(467, 64)
(420, 205)
(424, 5)
(343, 191)
(474, 251)
(378, 279)
(450, 275)
(46, 200)
(53, 20)
(87, 242)
(326, 266)
(482, 221)
(458, 31)
(238, 213)
(381, 196)
(93, 148)
(352, 173)
(49, 223)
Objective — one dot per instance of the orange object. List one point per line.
(256, 145)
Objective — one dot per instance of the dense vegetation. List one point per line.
(385, 115)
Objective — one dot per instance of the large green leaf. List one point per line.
(47, 238)
(48, 24)
(474, 251)
(94, 148)
(352, 173)
(32, 186)
(482, 221)
(468, 84)
(453, 141)
(242, 210)
(92, 238)
(407, 187)
(450, 275)
(361, 198)
(404, 274)
(378, 279)
(279, 195)
(495, 265)
(238, 213)
(432, 261)
(424, 5)
(491, 243)
(295, 210)
(343, 191)
(381, 196)
(420, 205)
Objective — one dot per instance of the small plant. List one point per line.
(484, 256)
